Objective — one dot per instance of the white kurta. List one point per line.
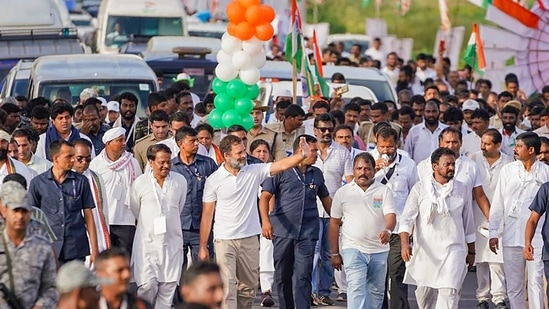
(489, 175)
(158, 255)
(117, 186)
(19, 168)
(514, 193)
(439, 247)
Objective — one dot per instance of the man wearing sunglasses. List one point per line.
(83, 157)
(335, 162)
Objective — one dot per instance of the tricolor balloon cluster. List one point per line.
(239, 60)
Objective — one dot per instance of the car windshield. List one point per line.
(381, 89)
(120, 29)
(20, 87)
(70, 90)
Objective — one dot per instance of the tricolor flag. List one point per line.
(474, 54)
(318, 72)
(294, 46)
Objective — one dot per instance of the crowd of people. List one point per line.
(365, 196)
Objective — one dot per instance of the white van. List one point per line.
(66, 76)
(121, 21)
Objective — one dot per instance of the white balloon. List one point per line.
(230, 44)
(223, 57)
(259, 59)
(225, 72)
(252, 46)
(241, 59)
(249, 75)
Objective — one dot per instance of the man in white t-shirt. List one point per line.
(365, 234)
(231, 194)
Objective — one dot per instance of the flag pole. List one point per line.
(294, 81)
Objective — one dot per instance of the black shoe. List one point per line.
(267, 300)
(501, 305)
(483, 305)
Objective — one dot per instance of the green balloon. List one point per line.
(231, 117)
(243, 106)
(219, 86)
(253, 91)
(223, 102)
(237, 89)
(215, 118)
(247, 122)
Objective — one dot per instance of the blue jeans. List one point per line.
(365, 278)
(323, 272)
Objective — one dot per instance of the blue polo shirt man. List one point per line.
(293, 225)
(63, 196)
(195, 168)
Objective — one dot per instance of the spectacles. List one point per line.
(81, 159)
(324, 129)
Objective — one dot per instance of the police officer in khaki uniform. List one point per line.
(160, 127)
(258, 131)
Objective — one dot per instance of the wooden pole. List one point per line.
(294, 81)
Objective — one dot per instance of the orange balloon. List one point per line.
(248, 3)
(244, 31)
(264, 32)
(268, 13)
(254, 15)
(231, 29)
(236, 13)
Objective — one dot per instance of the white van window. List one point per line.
(121, 28)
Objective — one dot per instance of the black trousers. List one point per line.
(293, 257)
(122, 237)
(396, 267)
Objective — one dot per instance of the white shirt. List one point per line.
(117, 185)
(542, 131)
(471, 144)
(392, 75)
(420, 142)
(427, 73)
(376, 54)
(401, 182)
(39, 164)
(309, 126)
(515, 190)
(41, 146)
(490, 176)
(20, 168)
(236, 214)
(466, 171)
(446, 235)
(158, 244)
(508, 141)
(338, 163)
(364, 213)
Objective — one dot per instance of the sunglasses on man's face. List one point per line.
(324, 129)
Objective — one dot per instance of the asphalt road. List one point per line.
(467, 301)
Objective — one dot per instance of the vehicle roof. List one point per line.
(348, 36)
(23, 68)
(207, 27)
(17, 49)
(33, 14)
(354, 90)
(283, 70)
(161, 46)
(145, 8)
(91, 66)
